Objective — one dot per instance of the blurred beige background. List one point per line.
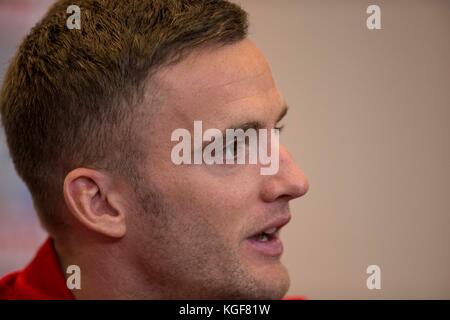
(369, 124)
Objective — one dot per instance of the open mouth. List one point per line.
(267, 241)
(266, 235)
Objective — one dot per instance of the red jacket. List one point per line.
(43, 279)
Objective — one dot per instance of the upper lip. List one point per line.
(278, 223)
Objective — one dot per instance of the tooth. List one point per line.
(263, 238)
(270, 231)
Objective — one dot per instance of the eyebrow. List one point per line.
(258, 125)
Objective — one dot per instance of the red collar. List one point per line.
(42, 279)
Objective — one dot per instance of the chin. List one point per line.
(272, 282)
(258, 282)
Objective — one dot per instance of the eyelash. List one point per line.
(279, 128)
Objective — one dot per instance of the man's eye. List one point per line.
(279, 127)
(231, 150)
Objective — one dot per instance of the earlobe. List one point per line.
(87, 197)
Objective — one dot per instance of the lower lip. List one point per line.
(271, 248)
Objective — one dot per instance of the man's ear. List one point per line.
(91, 198)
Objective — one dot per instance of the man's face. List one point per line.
(201, 236)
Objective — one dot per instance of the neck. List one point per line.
(107, 272)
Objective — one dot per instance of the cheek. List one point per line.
(222, 204)
(223, 212)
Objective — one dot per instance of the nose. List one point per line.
(289, 183)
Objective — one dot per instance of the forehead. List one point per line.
(219, 85)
